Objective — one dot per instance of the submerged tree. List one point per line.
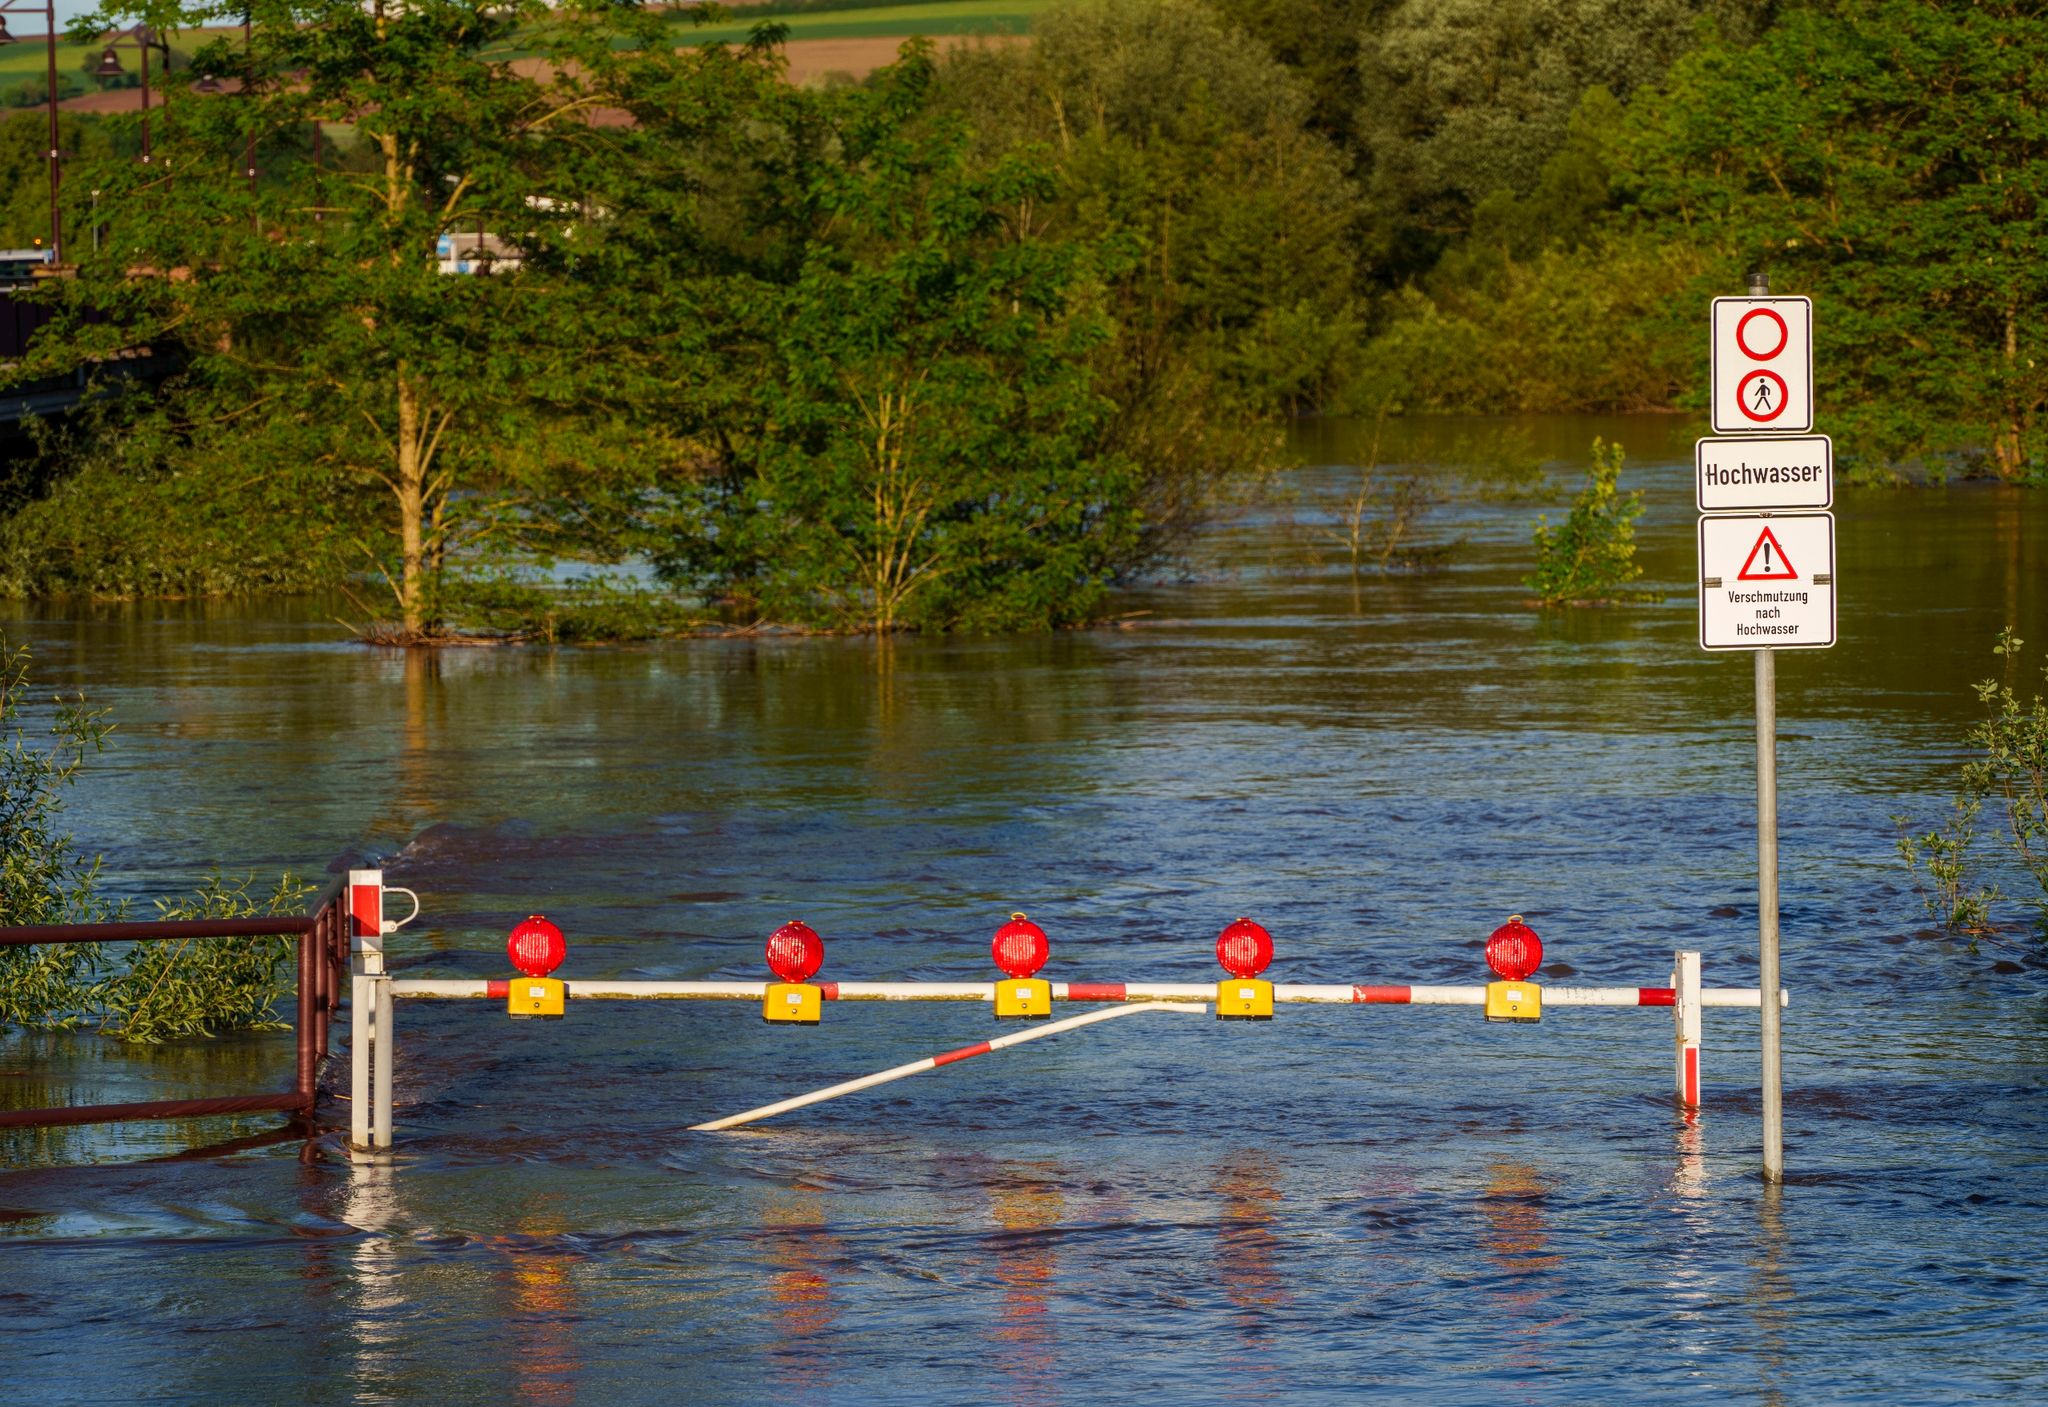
(928, 447)
(320, 344)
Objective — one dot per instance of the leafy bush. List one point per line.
(43, 879)
(2010, 771)
(150, 992)
(1591, 557)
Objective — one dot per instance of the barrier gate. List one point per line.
(1020, 949)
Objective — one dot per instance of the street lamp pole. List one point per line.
(56, 218)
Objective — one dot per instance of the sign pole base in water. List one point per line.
(933, 1062)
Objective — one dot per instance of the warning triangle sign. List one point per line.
(1776, 566)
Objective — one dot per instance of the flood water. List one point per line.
(1404, 1203)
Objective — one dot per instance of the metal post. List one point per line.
(1767, 883)
(56, 220)
(1767, 908)
(1685, 1021)
(387, 1058)
(359, 1096)
(248, 82)
(369, 1049)
(144, 46)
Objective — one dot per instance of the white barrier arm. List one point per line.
(933, 1062)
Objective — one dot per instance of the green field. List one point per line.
(28, 58)
(946, 17)
(23, 61)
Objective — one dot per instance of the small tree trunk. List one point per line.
(2007, 447)
(412, 578)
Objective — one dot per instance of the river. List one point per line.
(1402, 1203)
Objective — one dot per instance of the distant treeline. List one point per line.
(961, 345)
(1545, 192)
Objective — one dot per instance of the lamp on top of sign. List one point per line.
(1763, 366)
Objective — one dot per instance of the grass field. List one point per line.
(22, 61)
(946, 17)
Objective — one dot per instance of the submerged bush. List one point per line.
(2010, 772)
(1590, 558)
(139, 991)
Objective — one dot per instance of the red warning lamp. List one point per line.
(1020, 947)
(1244, 948)
(536, 946)
(795, 951)
(1514, 951)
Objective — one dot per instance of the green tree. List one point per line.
(1180, 142)
(1890, 160)
(933, 453)
(1590, 558)
(25, 168)
(321, 354)
(1465, 99)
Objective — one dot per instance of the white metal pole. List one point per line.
(359, 1002)
(933, 1062)
(1767, 908)
(366, 944)
(1685, 1020)
(387, 1060)
(1767, 881)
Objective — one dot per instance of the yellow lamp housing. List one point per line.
(1244, 999)
(1514, 1001)
(529, 997)
(795, 1003)
(1023, 999)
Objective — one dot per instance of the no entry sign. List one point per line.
(1767, 581)
(1791, 471)
(1762, 366)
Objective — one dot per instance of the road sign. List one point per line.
(1767, 581)
(1762, 366)
(1795, 471)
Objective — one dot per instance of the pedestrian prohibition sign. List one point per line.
(1767, 582)
(1762, 366)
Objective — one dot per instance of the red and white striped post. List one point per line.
(1685, 1021)
(371, 1051)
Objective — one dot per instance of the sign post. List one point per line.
(1767, 571)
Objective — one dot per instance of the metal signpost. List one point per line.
(1766, 570)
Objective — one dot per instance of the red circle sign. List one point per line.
(1742, 334)
(1760, 408)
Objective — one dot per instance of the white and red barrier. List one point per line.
(376, 991)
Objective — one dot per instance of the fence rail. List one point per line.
(324, 935)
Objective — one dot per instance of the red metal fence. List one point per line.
(323, 936)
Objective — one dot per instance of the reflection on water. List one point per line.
(799, 1251)
(1517, 1240)
(1026, 1202)
(1770, 1297)
(1377, 767)
(1248, 1267)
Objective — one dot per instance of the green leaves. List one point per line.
(2010, 773)
(1589, 559)
(928, 451)
(136, 991)
(1891, 160)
